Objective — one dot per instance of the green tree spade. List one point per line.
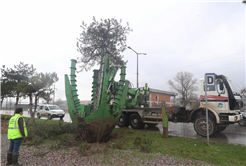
(102, 37)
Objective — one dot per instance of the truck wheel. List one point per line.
(221, 128)
(200, 126)
(123, 121)
(38, 115)
(135, 121)
(49, 117)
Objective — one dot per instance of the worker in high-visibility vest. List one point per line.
(17, 131)
(146, 93)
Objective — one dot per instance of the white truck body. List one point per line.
(223, 104)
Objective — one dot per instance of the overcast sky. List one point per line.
(193, 36)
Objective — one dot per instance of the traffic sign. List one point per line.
(210, 79)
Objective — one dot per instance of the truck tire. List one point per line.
(38, 116)
(221, 128)
(49, 117)
(123, 121)
(200, 126)
(135, 121)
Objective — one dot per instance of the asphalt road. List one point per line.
(233, 134)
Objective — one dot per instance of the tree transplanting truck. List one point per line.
(223, 105)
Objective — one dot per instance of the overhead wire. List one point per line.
(195, 64)
(218, 67)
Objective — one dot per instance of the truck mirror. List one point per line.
(221, 86)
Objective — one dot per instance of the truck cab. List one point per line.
(223, 105)
(222, 100)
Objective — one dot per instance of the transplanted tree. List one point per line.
(104, 37)
(184, 85)
(18, 74)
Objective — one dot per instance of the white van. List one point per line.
(50, 111)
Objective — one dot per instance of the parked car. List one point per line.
(50, 111)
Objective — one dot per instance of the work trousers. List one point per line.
(15, 145)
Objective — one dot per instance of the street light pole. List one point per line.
(137, 61)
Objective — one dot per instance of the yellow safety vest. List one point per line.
(13, 130)
(146, 89)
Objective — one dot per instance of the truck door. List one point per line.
(216, 101)
(223, 99)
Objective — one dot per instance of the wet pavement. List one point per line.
(233, 134)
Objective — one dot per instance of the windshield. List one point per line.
(232, 86)
(54, 107)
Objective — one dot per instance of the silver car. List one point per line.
(50, 111)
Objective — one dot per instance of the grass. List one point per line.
(60, 135)
(218, 153)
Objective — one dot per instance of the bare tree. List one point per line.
(185, 85)
(104, 37)
(243, 92)
(243, 95)
(59, 102)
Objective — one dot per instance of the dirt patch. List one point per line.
(96, 130)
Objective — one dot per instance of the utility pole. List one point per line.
(54, 94)
(137, 61)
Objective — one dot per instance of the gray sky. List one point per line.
(193, 36)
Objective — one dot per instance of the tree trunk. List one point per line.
(35, 105)
(17, 99)
(2, 103)
(98, 87)
(30, 108)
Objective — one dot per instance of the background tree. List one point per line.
(47, 95)
(41, 84)
(59, 102)
(37, 86)
(104, 37)
(243, 95)
(19, 73)
(6, 89)
(185, 85)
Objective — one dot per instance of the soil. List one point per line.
(97, 154)
(96, 130)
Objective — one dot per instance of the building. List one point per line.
(158, 98)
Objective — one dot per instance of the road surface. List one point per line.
(233, 134)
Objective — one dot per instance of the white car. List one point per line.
(32, 109)
(50, 111)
